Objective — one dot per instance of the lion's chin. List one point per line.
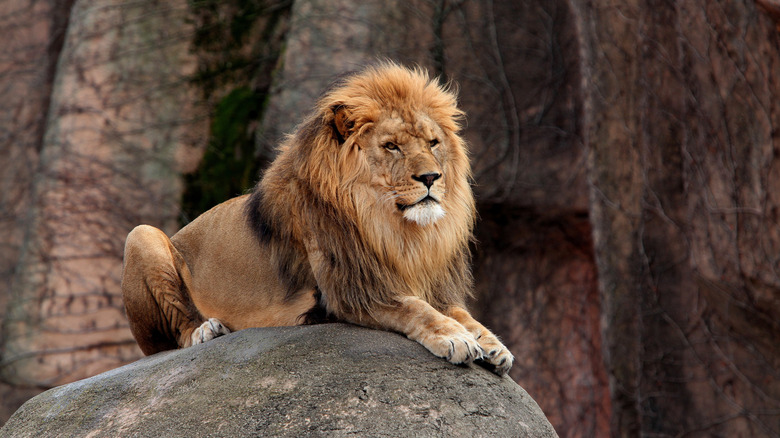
(424, 213)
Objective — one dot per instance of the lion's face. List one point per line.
(407, 156)
(398, 161)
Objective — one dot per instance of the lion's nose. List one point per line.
(427, 178)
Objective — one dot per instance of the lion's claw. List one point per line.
(458, 346)
(499, 359)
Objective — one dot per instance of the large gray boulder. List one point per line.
(324, 380)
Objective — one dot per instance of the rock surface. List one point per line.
(325, 380)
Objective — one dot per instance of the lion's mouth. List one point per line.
(426, 200)
(423, 212)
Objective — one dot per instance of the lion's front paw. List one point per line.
(453, 343)
(208, 331)
(497, 356)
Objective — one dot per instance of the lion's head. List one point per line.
(398, 132)
(404, 128)
(378, 180)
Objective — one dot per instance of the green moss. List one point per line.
(238, 44)
(228, 167)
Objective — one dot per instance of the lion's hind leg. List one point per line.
(154, 287)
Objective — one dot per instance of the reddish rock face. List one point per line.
(652, 127)
(122, 125)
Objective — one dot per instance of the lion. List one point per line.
(364, 217)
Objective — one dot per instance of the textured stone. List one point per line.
(326, 380)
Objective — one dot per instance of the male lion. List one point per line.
(365, 216)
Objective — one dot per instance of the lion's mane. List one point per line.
(315, 192)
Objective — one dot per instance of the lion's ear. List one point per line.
(342, 124)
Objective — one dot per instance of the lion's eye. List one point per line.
(433, 143)
(390, 146)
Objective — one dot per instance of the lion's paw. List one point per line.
(208, 331)
(456, 345)
(497, 356)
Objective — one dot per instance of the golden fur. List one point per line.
(365, 216)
